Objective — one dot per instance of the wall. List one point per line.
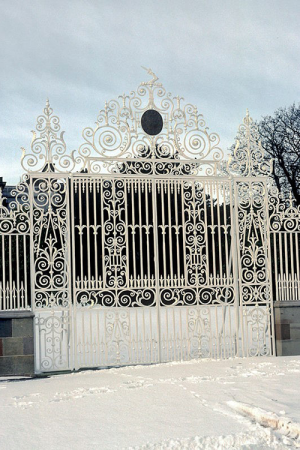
(16, 343)
(287, 328)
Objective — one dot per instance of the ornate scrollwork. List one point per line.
(48, 149)
(199, 332)
(53, 331)
(153, 252)
(118, 133)
(50, 243)
(257, 320)
(149, 167)
(195, 226)
(114, 225)
(116, 298)
(15, 217)
(118, 336)
(208, 295)
(248, 158)
(284, 223)
(178, 297)
(284, 214)
(253, 242)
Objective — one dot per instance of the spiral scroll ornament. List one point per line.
(121, 131)
(284, 213)
(48, 148)
(50, 243)
(253, 242)
(248, 158)
(15, 217)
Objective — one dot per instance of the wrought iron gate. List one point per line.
(148, 289)
(145, 246)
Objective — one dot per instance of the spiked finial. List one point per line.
(48, 147)
(248, 156)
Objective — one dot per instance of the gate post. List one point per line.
(250, 171)
(46, 168)
(50, 274)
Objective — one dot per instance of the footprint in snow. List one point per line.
(80, 393)
(23, 405)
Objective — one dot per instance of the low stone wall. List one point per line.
(16, 343)
(287, 328)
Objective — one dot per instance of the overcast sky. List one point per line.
(222, 55)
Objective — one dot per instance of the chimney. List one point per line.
(2, 183)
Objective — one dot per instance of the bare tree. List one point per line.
(280, 138)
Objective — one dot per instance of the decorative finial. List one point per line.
(248, 157)
(154, 78)
(48, 148)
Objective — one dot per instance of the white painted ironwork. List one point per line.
(285, 239)
(48, 149)
(14, 251)
(147, 248)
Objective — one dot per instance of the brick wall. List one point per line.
(16, 344)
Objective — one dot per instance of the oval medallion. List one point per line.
(152, 122)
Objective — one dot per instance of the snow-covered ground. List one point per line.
(187, 405)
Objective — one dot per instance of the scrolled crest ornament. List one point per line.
(283, 212)
(248, 157)
(149, 124)
(48, 148)
(14, 218)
